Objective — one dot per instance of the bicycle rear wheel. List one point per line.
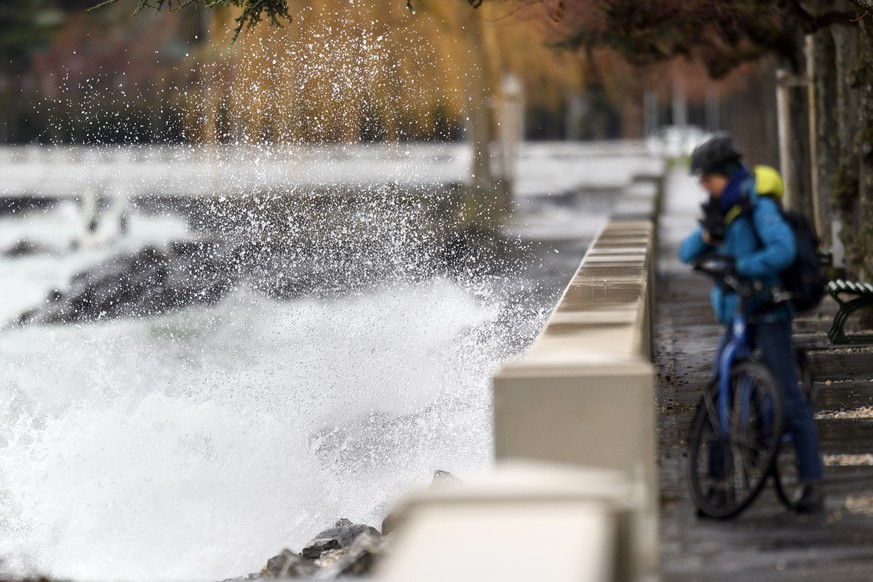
(728, 467)
(785, 476)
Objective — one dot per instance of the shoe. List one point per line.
(810, 498)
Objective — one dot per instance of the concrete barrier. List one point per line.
(640, 200)
(574, 492)
(522, 521)
(573, 496)
(583, 393)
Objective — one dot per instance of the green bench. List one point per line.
(851, 296)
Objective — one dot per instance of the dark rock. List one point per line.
(191, 272)
(25, 247)
(278, 271)
(22, 204)
(360, 558)
(471, 250)
(348, 549)
(196, 248)
(146, 283)
(336, 538)
(288, 565)
(441, 478)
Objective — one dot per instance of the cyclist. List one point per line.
(725, 229)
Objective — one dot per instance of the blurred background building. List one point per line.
(366, 71)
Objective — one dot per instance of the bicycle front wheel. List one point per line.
(733, 441)
(785, 476)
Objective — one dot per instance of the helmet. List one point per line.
(768, 181)
(715, 153)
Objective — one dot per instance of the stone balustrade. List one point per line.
(574, 438)
(583, 393)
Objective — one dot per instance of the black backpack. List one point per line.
(805, 278)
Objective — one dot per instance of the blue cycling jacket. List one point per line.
(753, 261)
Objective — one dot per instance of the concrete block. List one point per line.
(597, 412)
(521, 522)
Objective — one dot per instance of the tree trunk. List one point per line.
(828, 143)
(487, 202)
(799, 150)
(864, 251)
(852, 181)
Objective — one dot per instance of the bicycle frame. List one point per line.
(738, 347)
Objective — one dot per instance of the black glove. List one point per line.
(713, 221)
(720, 266)
(728, 267)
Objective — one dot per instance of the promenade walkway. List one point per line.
(766, 543)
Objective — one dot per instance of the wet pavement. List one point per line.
(766, 542)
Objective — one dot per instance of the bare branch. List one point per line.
(865, 4)
(253, 11)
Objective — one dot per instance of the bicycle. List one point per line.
(737, 428)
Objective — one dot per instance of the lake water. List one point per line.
(197, 444)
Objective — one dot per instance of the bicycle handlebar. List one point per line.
(721, 269)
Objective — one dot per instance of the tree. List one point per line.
(487, 201)
(725, 35)
(25, 26)
(722, 36)
(252, 11)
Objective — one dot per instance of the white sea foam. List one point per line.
(195, 445)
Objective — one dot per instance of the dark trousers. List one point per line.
(773, 339)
